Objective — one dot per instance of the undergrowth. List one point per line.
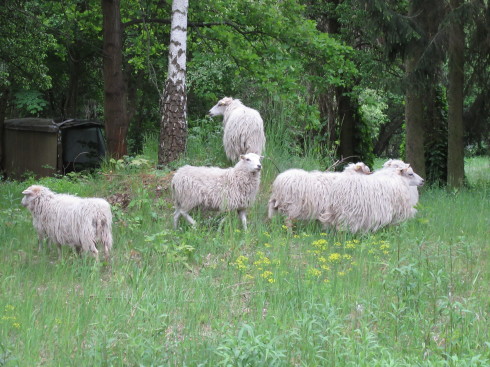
(215, 295)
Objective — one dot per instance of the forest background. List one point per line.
(350, 79)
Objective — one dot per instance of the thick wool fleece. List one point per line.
(70, 220)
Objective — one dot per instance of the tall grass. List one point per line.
(415, 294)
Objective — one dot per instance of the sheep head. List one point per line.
(220, 107)
(251, 162)
(32, 193)
(413, 178)
(395, 163)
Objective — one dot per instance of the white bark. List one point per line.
(173, 130)
(178, 42)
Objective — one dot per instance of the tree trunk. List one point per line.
(455, 159)
(115, 116)
(173, 127)
(385, 134)
(70, 105)
(4, 97)
(347, 120)
(414, 100)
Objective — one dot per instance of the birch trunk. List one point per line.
(173, 127)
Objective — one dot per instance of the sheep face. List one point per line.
(413, 178)
(251, 162)
(220, 107)
(31, 194)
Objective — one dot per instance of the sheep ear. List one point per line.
(27, 192)
(242, 156)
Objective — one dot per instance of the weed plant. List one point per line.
(215, 295)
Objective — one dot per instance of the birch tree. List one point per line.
(173, 127)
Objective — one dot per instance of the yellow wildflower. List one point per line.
(314, 272)
(334, 257)
(266, 274)
(319, 243)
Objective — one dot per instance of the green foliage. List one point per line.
(30, 101)
(412, 294)
(248, 349)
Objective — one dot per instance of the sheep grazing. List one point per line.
(216, 188)
(243, 128)
(363, 203)
(64, 219)
(303, 195)
(396, 163)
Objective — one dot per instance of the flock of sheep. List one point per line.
(356, 199)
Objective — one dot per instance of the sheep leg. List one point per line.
(180, 212)
(272, 208)
(177, 215)
(58, 247)
(243, 217)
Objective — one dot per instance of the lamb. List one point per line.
(243, 128)
(363, 203)
(303, 195)
(233, 188)
(64, 219)
(396, 163)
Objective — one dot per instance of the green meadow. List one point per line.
(417, 294)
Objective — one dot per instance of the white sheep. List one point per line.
(396, 163)
(243, 128)
(64, 219)
(303, 195)
(362, 203)
(216, 188)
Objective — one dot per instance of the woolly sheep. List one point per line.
(216, 188)
(363, 203)
(243, 128)
(303, 195)
(64, 219)
(396, 163)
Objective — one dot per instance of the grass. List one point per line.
(415, 294)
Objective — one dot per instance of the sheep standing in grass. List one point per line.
(216, 188)
(80, 223)
(243, 128)
(363, 203)
(303, 195)
(396, 163)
